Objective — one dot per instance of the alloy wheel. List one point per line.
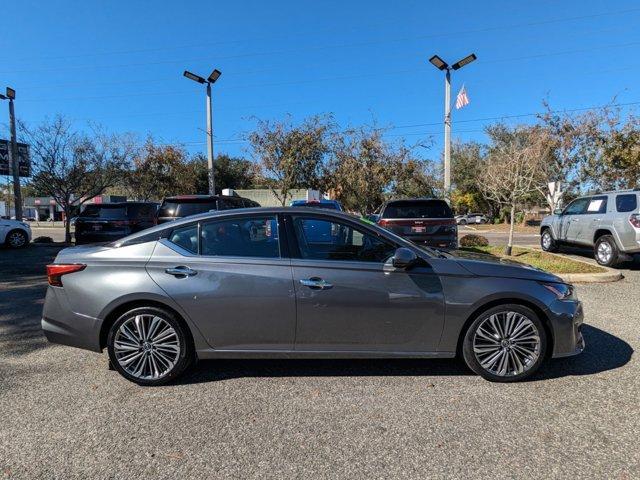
(604, 252)
(17, 239)
(146, 346)
(546, 240)
(507, 344)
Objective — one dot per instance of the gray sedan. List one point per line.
(302, 283)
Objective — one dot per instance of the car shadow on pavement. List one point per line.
(587, 254)
(604, 352)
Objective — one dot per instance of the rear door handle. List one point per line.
(316, 283)
(181, 271)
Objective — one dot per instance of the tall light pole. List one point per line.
(442, 65)
(13, 153)
(209, 81)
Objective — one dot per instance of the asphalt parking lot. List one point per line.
(63, 414)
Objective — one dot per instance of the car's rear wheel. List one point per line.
(547, 241)
(506, 343)
(605, 251)
(17, 239)
(149, 346)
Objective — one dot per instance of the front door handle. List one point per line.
(316, 283)
(181, 271)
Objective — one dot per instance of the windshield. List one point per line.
(185, 209)
(418, 209)
(104, 211)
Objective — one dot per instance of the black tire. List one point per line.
(547, 242)
(16, 239)
(463, 222)
(474, 364)
(183, 359)
(605, 251)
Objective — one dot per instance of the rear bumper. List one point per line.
(61, 325)
(91, 237)
(438, 241)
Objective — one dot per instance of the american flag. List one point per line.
(462, 100)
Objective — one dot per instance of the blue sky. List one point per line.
(120, 63)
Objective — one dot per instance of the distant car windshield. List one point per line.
(185, 209)
(104, 211)
(327, 205)
(418, 209)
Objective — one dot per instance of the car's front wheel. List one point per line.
(17, 239)
(547, 241)
(506, 343)
(149, 346)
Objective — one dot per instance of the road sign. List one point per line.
(24, 160)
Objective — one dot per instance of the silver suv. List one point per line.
(608, 222)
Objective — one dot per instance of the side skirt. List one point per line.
(296, 354)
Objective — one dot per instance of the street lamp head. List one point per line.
(11, 93)
(214, 76)
(465, 61)
(194, 77)
(438, 62)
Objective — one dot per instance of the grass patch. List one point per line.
(537, 258)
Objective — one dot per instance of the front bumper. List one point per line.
(567, 319)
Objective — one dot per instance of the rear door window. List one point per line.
(241, 237)
(597, 205)
(627, 202)
(418, 209)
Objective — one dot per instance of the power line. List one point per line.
(335, 46)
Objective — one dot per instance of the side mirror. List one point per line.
(404, 258)
(557, 211)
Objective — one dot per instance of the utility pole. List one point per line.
(442, 65)
(14, 163)
(209, 81)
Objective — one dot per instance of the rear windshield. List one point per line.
(184, 209)
(327, 205)
(417, 209)
(104, 211)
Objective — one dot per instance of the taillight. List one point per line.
(56, 271)
(634, 219)
(383, 223)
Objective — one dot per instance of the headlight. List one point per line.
(563, 291)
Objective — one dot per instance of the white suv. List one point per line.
(14, 234)
(608, 222)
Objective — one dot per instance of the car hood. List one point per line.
(490, 266)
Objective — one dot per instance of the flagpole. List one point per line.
(447, 135)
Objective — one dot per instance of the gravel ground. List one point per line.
(63, 414)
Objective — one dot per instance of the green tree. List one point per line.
(159, 171)
(229, 172)
(292, 156)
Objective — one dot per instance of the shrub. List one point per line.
(43, 240)
(474, 241)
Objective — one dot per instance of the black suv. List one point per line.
(428, 221)
(106, 222)
(173, 208)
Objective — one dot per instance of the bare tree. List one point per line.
(72, 167)
(513, 168)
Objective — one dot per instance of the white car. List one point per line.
(14, 234)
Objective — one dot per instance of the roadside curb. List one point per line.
(609, 275)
